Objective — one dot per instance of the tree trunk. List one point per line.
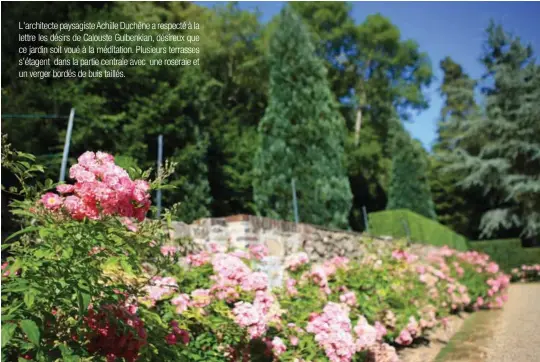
(357, 126)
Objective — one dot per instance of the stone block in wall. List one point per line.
(293, 243)
(200, 231)
(272, 267)
(179, 230)
(218, 234)
(275, 247)
(240, 234)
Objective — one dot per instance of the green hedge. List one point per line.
(508, 253)
(422, 230)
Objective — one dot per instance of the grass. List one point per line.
(470, 342)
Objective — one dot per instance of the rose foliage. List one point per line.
(90, 278)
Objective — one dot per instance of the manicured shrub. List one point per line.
(398, 223)
(508, 253)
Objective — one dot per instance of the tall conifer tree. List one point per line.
(506, 162)
(456, 207)
(409, 187)
(302, 135)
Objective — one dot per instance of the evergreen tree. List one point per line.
(459, 209)
(506, 164)
(193, 189)
(409, 187)
(301, 135)
(457, 89)
(376, 73)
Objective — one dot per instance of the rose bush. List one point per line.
(73, 277)
(526, 273)
(91, 279)
(338, 310)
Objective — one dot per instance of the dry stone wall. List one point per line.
(281, 237)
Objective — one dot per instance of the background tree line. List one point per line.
(352, 85)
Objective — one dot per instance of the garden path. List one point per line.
(507, 335)
(516, 338)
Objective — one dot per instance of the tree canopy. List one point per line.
(314, 97)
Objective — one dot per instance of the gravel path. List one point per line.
(517, 336)
(508, 335)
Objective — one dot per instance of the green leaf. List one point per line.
(125, 265)
(23, 231)
(23, 213)
(67, 253)
(67, 353)
(43, 232)
(15, 266)
(31, 330)
(29, 297)
(7, 332)
(84, 301)
(44, 254)
(19, 285)
(83, 285)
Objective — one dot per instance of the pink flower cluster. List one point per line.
(382, 352)
(199, 259)
(334, 333)
(332, 329)
(258, 252)
(230, 267)
(475, 258)
(231, 276)
(295, 261)
(255, 281)
(411, 331)
(101, 189)
(496, 286)
(367, 334)
(159, 288)
(251, 317)
(526, 273)
(348, 298)
(337, 262)
(182, 302)
(403, 255)
(428, 317)
(232, 272)
(169, 250)
(4, 266)
(320, 274)
(278, 347)
(290, 285)
(200, 298)
(535, 267)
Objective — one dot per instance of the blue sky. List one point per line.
(440, 28)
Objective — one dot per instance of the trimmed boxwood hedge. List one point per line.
(420, 229)
(508, 253)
